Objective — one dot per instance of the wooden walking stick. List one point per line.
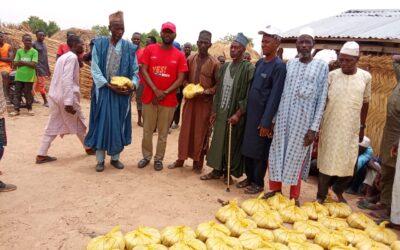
(229, 157)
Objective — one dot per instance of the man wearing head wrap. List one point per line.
(110, 128)
(298, 118)
(229, 107)
(343, 124)
(263, 101)
(163, 69)
(193, 137)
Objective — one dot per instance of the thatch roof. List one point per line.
(222, 49)
(86, 35)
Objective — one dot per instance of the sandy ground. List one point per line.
(61, 205)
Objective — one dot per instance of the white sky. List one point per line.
(218, 16)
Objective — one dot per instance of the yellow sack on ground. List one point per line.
(211, 229)
(193, 244)
(223, 243)
(121, 81)
(232, 210)
(353, 236)
(372, 245)
(359, 220)
(251, 206)
(273, 246)
(278, 201)
(174, 234)
(338, 209)
(329, 238)
(255, 238)
(381, 234)
(315, 210)
(332, 222)
(142, 236)
(292, 214)
(284, 235)
(309, 227)
(342, 247)
(304, 246)
(269, 219)
(151, 247)
(238, 225)
(191, 90)
(114, 240)
(395, 245)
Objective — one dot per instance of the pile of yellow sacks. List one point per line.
(192, 89)
(272, 224)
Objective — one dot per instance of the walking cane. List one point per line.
(229, 157)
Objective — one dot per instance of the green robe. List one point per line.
(217, 156)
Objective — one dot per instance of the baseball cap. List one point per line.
(168, 25)
(271, 30)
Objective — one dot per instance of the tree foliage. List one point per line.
(101, 30)
(228, 38)
(145, 35)
(35, 23)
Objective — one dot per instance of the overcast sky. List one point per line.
(218, 16)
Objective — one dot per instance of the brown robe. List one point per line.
(193, 137)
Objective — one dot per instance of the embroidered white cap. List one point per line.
(350, 48)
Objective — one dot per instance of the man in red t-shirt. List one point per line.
(163, 69)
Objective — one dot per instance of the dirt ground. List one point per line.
(61, 205)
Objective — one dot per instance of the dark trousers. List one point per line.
(358, 178)
(256, 170)
(177, 114)
(26, 88)
(387, 181)
(338, 184)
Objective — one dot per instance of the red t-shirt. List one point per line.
(163, 66)
(139, 54)
(64, 48)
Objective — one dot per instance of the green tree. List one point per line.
(145, 35)
(101, 30)
(228, 38)
(35, 23)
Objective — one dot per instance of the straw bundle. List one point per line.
(383, 81)
(222, 49)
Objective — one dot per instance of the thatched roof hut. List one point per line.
(222, 49)
(378, 35)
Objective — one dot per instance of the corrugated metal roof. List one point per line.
(365, 24)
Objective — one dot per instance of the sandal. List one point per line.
(176, 164)
(253, 189)
(271, 194)
(90, 151)
(210, 176)
(158, 165)
(143, 163)
(40, 159)
(370, 206)
(7, 187)
(243, 184)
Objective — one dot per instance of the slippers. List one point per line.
(44, 159)
(4, 187)
(271, 194)
(176, 164)
(143, 163)
(209, 176)
(370, 206)
(243, 184)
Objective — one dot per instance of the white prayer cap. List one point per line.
(350, 48)
(366, 142)
(307, 31)
(271, 30)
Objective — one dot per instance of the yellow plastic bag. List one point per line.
(284, 235)
(304, 246)
(278, 201)
(309, 227)
(114, 240)
(381, 234)
(292, 214)
(342, 247)
(211, 229)
(142, 236)
(237, 226)
(232, 210)
(338, 209)
(359, 220)
(191, 90)
(273, 246)
(353, 236)
(395, 245)
(121, 81)
(269, 219)
(255, 238)
(174, 234)
(315, 210)
(372, 245)
(193, 244)
(329, 238)
(251, 206)
(332, 222)
(151, 247)
(223, 243)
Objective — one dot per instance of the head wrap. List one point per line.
(117, 17)
(242, 39)
(350, 48)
